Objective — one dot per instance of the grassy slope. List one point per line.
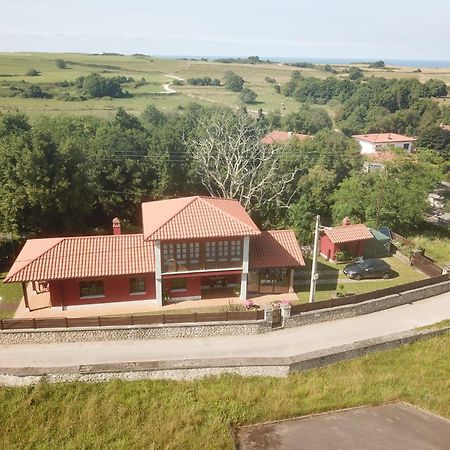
(202, 414)
(436, 246)
(154, 71)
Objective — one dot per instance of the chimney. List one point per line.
(346, 221)
(116, 226)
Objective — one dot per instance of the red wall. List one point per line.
(355, 248)
(327, 246)
(117, 289)
(193, 287)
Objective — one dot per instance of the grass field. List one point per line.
(204, 414)
(14, 66)
(10, 296)
(436, 245)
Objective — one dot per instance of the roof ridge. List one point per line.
(10, 275)
(193, 198)
(227, 213)
(103, 236)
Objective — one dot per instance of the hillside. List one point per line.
(149, 75)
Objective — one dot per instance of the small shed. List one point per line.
(346, 238)
(377, 247)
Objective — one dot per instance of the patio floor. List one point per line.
(222, 299)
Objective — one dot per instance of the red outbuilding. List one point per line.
(346, 238)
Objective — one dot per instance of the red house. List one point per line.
(346, 238)
(188, 246)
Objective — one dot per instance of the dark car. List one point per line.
(368, 268)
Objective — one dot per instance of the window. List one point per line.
(406, 146)
(181, 252)
(167, 253)
(235, 250)
(178, 284)
(137, 285)
(194, 252)
(91, 289)
(210, 251)
(222, 250)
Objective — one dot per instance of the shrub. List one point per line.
(248, 96)
(33, 73)
(61, 64)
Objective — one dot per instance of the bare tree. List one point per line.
(232, 162)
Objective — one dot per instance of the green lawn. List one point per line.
(203, 414)
(404, 274)
(10, 295)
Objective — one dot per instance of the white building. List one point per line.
(372, 143)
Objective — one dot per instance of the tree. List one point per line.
(355, 73)
(307, 119)
(61, 64)
(32, 73)
(377, 65)
(233, 82)
(248, 96)
(395, 197)
(232, 162)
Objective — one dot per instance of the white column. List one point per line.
(244, 276)
(291, 281)
(158, 277)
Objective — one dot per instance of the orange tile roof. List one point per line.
(348, 233)
(277, 248)
(383, 138)
(82, 257)
(283, 136)
(195, 218)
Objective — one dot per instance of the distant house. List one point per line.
(345, 238)
(188, 245)
(371, 143)
(278, 137)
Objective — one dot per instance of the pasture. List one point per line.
(155, 71)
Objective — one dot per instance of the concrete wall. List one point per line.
(194, 369)
(45, 336)
(342, 312)
(117, 289)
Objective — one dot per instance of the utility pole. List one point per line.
(314, 274)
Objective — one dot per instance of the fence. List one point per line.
(160, 319)
(352, 299)
(426, 265)
(422, 262)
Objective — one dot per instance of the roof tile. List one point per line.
(196, 218)
(276, 248)
(348, 233)
(82, 257)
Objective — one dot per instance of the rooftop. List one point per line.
(277, 248)
(348, 233)
(283, 136)
(196, 218)
(383, 138)
(82, 257)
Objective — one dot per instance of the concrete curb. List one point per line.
(194, 369)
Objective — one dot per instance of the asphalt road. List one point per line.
(288, 342)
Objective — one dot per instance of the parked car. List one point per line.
(368, 268)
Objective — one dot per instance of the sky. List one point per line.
(371, 29)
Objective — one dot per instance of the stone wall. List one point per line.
(370, 306)
(167, 331)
